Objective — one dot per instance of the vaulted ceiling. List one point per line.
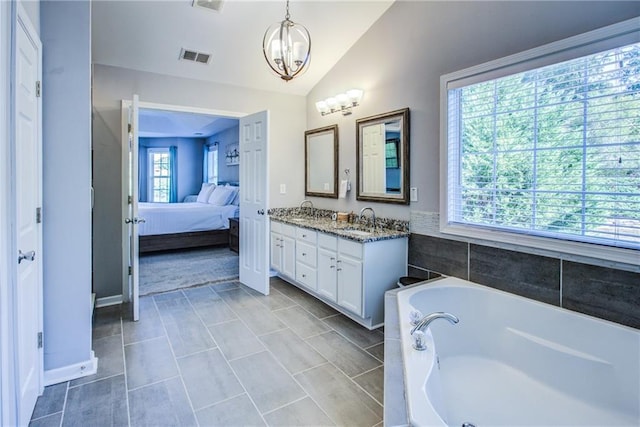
(149, 35)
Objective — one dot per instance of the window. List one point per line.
(159, 174)
(551, 152)
(212, 164)
(391, 153)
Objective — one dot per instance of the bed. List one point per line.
(170, 226)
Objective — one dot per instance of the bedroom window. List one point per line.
(212, 164)
(550, 152)
(159, 180)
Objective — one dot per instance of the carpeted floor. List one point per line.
(182, 269)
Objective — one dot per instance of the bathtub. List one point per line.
(512, 361)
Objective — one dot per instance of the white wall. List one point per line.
(66, 39)
(399, 61)
(112, 84)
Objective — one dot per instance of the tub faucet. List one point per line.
(423, 324)
(373, 215)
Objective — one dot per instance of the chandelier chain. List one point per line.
(287, 16)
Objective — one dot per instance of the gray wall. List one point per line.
(66, 112)
(113, 84)
(399, 61)
(189, 154)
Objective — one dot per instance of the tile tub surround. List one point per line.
(198, 356)
(604, 292)
(386, 228)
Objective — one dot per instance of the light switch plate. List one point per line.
(283, 188)
(413, 195)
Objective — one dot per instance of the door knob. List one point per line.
(29, 256)
(128, 220)
(139, 220)
(260, 211)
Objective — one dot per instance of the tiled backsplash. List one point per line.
(602, 292)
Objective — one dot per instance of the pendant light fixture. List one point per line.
(287, 47)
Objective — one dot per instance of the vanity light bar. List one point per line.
(342, 102)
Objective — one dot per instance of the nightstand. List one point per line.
(234, 235)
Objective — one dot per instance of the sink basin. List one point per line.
(360, 233)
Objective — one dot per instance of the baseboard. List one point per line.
(71, 372)
(107, 301)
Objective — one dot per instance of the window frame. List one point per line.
(150, 175)
(609, 37)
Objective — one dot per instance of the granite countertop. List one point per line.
(362, 233)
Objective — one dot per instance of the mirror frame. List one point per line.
(333, 193)
(403, 198)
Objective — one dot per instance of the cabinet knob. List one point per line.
(339, 261)
(304, 235)
(304, 275)
(304, 254)
(338, 269)
(332, 259)
(332, 266)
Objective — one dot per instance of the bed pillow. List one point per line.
(205, 192)
(236, 194)
(221, 196)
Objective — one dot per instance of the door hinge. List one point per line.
(130, 271)
(39, 339)
(38, 88)
(129, 127)
(129, 199)
(38, 215)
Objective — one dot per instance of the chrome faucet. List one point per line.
(417, 332)
(423, 324)
(306, 201)
(373, 214)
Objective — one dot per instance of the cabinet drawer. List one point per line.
(306, 275)
(328, 241)
(306, 253)
(276, 227)
(350, 248)
(306, 235)
(289, 230)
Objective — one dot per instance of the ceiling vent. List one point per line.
(193, 56)
(215, 5)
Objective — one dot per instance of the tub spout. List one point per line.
(423, 324)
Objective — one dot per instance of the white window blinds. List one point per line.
(553, 151)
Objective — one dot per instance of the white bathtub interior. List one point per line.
(514, 361)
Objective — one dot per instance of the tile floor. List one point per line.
(225, 355)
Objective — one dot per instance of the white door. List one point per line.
(28, 200)
(374, 160)
(131, 220)
(254, 233)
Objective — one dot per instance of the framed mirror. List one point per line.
(382, 157)
(321, 162)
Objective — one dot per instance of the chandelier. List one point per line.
(287, 47)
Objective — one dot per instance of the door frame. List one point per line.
(8, 415)
(126, 104)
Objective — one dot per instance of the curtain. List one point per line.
(143, 161)
(173, 175)
(205, 163)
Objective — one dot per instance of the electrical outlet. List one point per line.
(413, 196)
(283, 188)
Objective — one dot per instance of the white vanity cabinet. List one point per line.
(349, 275)
(283, 249)
(356, 275)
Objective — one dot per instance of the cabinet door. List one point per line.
(288, 262)
(350, 284)
(327, 278)
(276, 252)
